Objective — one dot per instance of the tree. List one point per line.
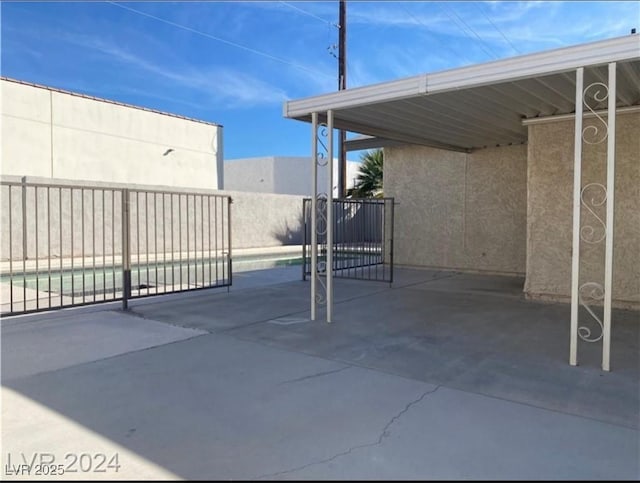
(369, 181)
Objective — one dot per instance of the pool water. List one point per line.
(105, 280)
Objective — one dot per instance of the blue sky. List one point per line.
(234, 63)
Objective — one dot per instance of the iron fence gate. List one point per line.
(66, 245)
(362, 239)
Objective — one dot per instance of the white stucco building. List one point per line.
(52, 133)
(287, 175)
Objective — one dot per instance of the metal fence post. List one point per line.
(304, 239)
(25, 246)
(126, 251)
(230, 264)
(393, 204)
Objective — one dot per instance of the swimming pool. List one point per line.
(105, 280)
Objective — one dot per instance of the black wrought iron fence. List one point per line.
(362, 239)
(67, 245)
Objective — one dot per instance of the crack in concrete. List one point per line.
(384, 434)
(140, 315)
(436, 278)
(224, 330)
(313, 376)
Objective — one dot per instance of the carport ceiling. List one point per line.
(481, 105)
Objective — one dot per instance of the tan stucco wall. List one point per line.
(550, 210)
(457, 210)
(59, 135)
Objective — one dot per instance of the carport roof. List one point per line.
(480, 105)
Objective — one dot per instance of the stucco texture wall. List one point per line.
(54, 134)
(457, 210)
(550, 211)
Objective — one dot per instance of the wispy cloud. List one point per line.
(399, 15)
(550, 26)
(228, 87)
(22, 49)
(516, 11)
(241, 90)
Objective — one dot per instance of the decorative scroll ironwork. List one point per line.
(591, 134)
(321, 136)
(321, 230)
(321, 295)
(593, 196)
(593, 205)
(589, 233)
(588, 294)
(321, 215)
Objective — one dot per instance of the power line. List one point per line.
(354, 78)
(492, 54)
(305, 12)
(496, 27)
(332, 46)
(416, 19)
(219, 39)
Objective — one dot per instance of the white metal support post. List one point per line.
(314, 207)
(598, 227)
(329, 261)
(608, 269)
(577, 180)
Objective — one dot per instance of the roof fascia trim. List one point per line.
(544, 63)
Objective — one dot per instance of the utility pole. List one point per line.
(342, 84)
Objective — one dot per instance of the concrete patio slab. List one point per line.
(480, 438)
(221, 311)
(217, 407)
(32, 431)
(500, 285)
(31, 345)
(415, 381)
(505, 347)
